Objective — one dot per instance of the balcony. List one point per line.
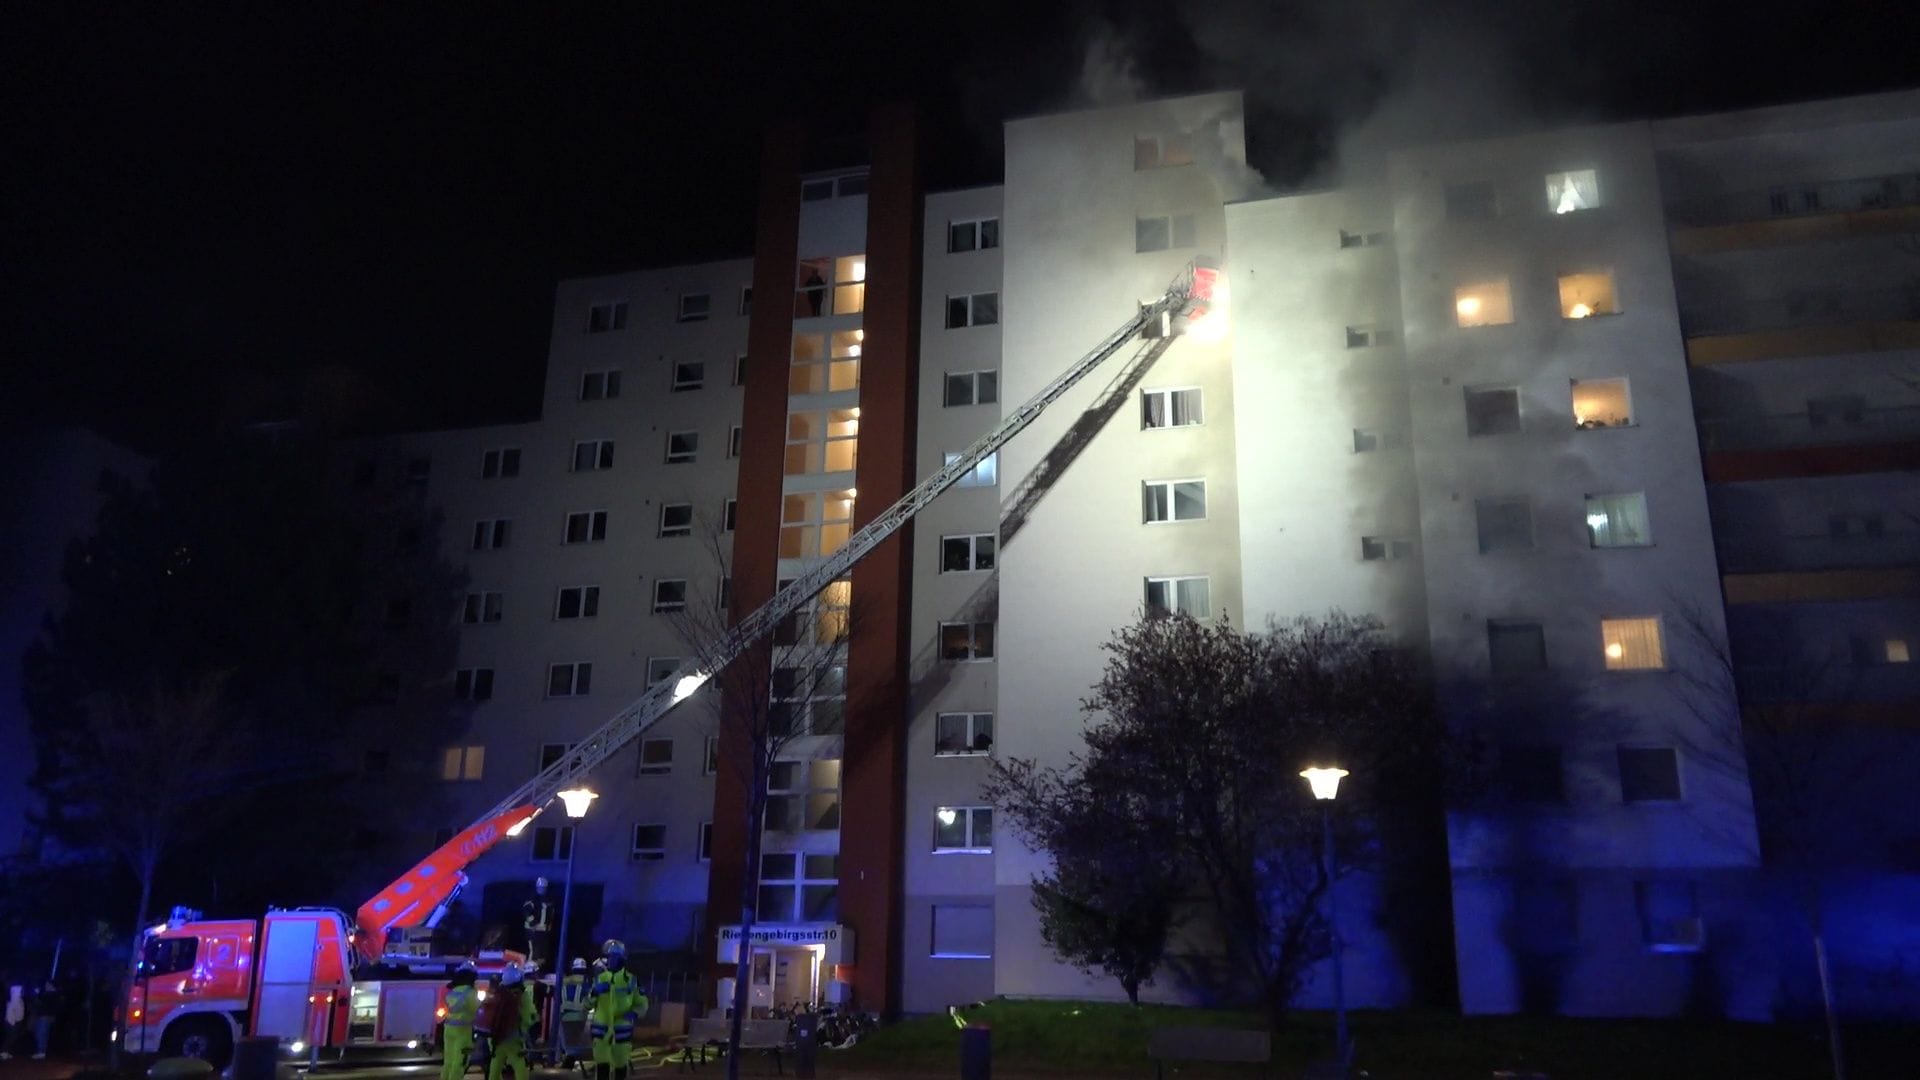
(1796, 213)
(1824, 323)
(1751, 554)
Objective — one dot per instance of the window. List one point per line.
(745, 306)
(804, 796)
(1370, 336)
(490, 535)
(823, 620)
(552, 844)
(1163, 232)
(689, 375)
(500, 464)
(463, 763)
(1181, 595)
(481, 607)
(604, 317)
(669, 594)
(600, 385)
(826, 441)
(704, 852)
(816, 190)
(569, 680)
(1385, 548)
(1516, 648)
(1571, 191)
(1670, 916)
(966, 641)
(1170, 408)
(593, 455)
(1649, 774)
(1615, 521)
(1601, 403)
(661, 668)
(683, 447)
(723, 596)
(578, 602)
(710, 760)
(1484, 303)
(740, 370)
(1173, 500)
(473, 684)
(962, 734)
(1371, 440)
(649, 843)
(1585, 295)
(984, 474)
(734, 436)
(586, 527)
(963, 828)
(815, 524)
(1472, 201)
(979, 234)
(551, 753)
(799, 886)
(1162, 151)
(1362, 239)
(729, 514)
(963, 931)
(1794, 200)
(694, 307)
(166, 956)
(977, 309)
(842, 281)
(810, 700)
(962, 554)
(1632, 644)
(676, 519)
(970, 388)
(1493, 410)
(1533, 774)
(1504, 524)
(825, 363)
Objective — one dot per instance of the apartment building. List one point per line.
(1468, 396)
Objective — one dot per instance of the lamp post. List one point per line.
(1326, 785)
(576, 801)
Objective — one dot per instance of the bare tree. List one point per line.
(783, 689)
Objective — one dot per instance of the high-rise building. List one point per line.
(1468, 394)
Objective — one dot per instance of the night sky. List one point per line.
(201, 210)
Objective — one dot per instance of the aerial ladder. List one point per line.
(421, 896)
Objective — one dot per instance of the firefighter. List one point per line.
(573, 1006)
(536, 918)
(457, 1037)
(618, 1005)
(500, 1034)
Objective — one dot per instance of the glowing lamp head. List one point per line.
(947, 815)
(1579, 311)
(1467, 306)
(859, 271)
(1615, 651)
(1325, 781)
(577, 800)
(299, 1046)
(688, 684)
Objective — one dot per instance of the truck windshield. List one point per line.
(164, 956)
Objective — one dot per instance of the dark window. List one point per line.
(694, 307)
(165, 956)
(1504, 524)
(1649, 774)
(1493, 412)
(552, 844)
(604, 317)
(1533, 774)
(1514, 648)
(1475, 201)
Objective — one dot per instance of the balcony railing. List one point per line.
(1800, 200)
(1757, 554)
(1835, 307)
(1853, 427)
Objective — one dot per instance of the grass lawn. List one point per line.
(1105, 1039)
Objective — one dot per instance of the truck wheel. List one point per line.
(205, 1037)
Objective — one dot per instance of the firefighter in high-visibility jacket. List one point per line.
(574, 1006)
(618, 1006)
(456, 1037)
(500, 1033)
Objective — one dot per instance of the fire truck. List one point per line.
(317, 978)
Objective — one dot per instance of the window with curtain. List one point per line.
(1618, 520)
(1632, 644)
(1571, 191)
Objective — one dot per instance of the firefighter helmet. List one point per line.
(579, 963)
(614, 947)
(510, 974)
(540, 884)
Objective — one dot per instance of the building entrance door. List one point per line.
(783, 977)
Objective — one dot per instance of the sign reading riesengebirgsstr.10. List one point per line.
(835, 941)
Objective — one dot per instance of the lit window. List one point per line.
(1516, 648)
(962, 932)
(649, 843)
(822, 442)
(1177, 595)
(1370, 336)
(569, 680)
(661, 668)
(1503, 524)
(966, 641)
(669, 594)
(825, 363)
(1585, 295)
(824, 620)
(689, 375)
(1384, 549)
(656, 757)
(804, 796)
(963, 828)
(694, 307)
(963, 554)
(500, 464)
(1896, 651)
(975, 309)
(970, 388)
(604, 317)
(1649, 774)
(683, 447)
(593, 455)
(481, 607)
(491, 535)
(1163, 232)
(977, 235)
(473, 684)
(463, 763)
(831, 286)
(1493, 410)
(1483, 303)
(676, 519)
(1601, 403)
(586, 527)
(1618, 520)
(815, 524)
(1173, 500)
(984, 474)
(577, 602)
(1170, 408)
(1632, 644)
(962, 734)
(1571, 191)
(600, 385)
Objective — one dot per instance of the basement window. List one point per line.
(1483, 303)
(1568, 192)
(1602, 403)
(1585, 295)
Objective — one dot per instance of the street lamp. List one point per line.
(1326, 785)
(576, 800)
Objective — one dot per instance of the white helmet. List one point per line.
(510, 974)
(540, 884)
